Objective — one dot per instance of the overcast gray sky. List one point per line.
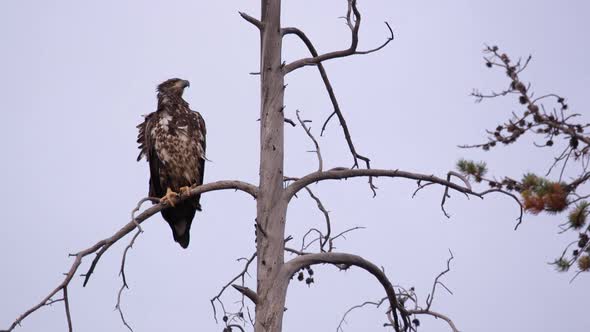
(78, 75)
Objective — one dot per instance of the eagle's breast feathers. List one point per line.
(176, 138)
(179, 144)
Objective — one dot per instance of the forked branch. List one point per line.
(353, 21)
(353, 18)
(124, 260)
(103, 245)
(242, 289)
(315, 142)
(346, 260)
(340, 173)
(337, 111)
(408, 299)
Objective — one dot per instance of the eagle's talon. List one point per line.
(184, 191)
(169, 198)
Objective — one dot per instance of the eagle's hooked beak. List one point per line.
(181, 84)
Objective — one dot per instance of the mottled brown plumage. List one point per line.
(173, 141)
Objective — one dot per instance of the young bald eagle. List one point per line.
(173, 141)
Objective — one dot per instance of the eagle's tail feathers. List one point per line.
(180, 219)
(183, 238)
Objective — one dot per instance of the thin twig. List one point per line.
(236, 326)
(67, 307)
(326, 216)
(124, 279)
(436, 315)
(289, 121)
(430, 297)
(358, 306)
(240, 275)
(315, 142)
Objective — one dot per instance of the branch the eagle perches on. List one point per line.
(400, 316)
(103, 245)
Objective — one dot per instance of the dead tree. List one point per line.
(276, 189)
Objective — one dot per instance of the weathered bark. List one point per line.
(271, 207)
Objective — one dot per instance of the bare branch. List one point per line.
(102, 245)
(446, 193)
(247, 292)
(322, 238)
(337, 111)
(341, 234)
(435, 314)
(67, 307)
(358, 306)
(343, 259)
(315, 142)
(340, 173)
(291, 122)
(236, 326)
(430, 297)
(61, 286)
(319, 238)
(326, 216)
(295, 251)
(387, 41)
(123, 277)
(459, 176)
(354, 20)
(495, 190)
(404, 296)
(238, 276)
(105, 244)
(252, 20)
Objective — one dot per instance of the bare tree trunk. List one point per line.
(271, 207)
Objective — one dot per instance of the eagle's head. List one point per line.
(173, 87)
